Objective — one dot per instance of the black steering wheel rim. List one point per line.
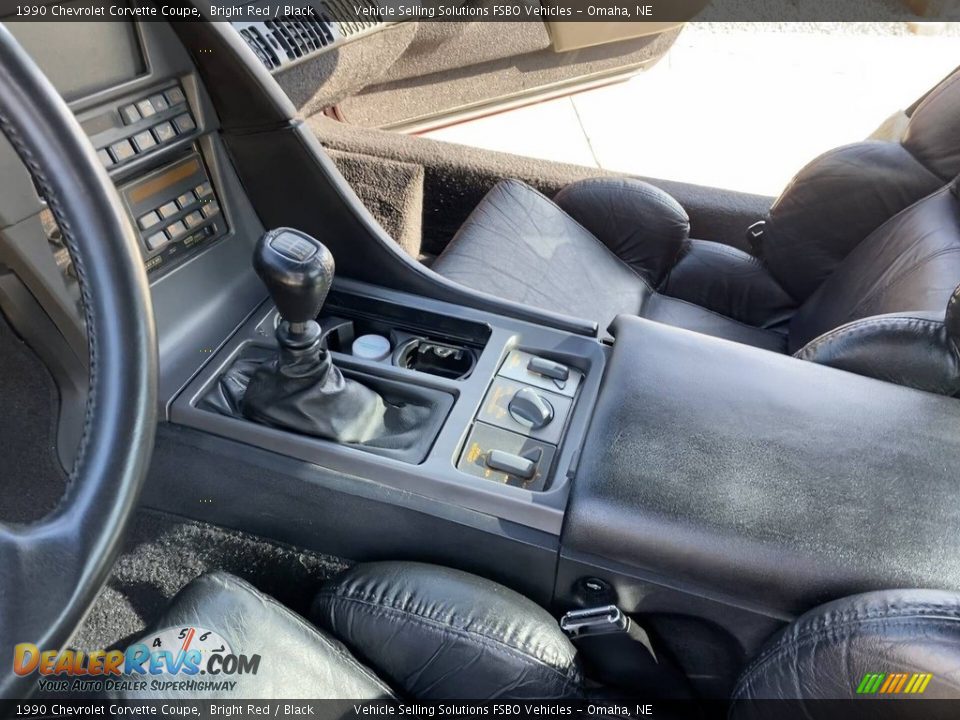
(52, 570)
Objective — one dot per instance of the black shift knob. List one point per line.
(297, 270)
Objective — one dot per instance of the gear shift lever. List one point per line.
(300, 389)
(298, 272)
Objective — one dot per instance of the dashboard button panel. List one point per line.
(141, 125)
(173, 219)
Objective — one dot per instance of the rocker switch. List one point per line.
(548, 368)
(515, 465)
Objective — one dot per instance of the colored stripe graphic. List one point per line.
(894, 683)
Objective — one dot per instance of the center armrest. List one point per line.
(755, 475)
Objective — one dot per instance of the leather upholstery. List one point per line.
(437, 633)
(731, 283)
(845, 194)
(441, 634)
(858, 260)
(832, 204)
(642, 225)
(296, 659)
(518, 244)
(826, 653)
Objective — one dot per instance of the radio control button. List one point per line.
(203, 190)
(156, 241)
(159, 102)
(146, 108)
(148, 220)
(175, 96)
(193, 219)
(176, 229)
(164, 132)
(188, 198)
(144, 140)
(210, 208)
(122, 150)
(168, 210)
(184, 123)
(105, 158)
(129, 114)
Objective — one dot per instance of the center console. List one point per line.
(514, 403)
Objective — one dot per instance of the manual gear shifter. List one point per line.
(298, 272)
(301, 389)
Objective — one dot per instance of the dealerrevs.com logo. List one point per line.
(172, 659)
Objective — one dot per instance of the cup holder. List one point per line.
(436, 358)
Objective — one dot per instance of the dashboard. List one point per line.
(139, 98)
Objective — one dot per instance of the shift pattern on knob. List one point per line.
(298, 271)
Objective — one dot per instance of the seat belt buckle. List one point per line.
(618, 652)
(594, 621)
(755, 236)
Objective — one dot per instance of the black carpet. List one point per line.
(31, 477)
(164, 552)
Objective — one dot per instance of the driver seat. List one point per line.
(402, 630)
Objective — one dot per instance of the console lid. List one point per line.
(760, 478)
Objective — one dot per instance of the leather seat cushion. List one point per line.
(683, 314)
(297, 660)
(438, 633)
(826, 653)
(520, 245)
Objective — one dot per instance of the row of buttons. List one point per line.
(152, 105)
(158, 134)
(208, 207)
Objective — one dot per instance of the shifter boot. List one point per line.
(311, 396)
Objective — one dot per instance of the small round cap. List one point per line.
(371, 347)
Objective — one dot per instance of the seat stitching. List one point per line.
(852, 328)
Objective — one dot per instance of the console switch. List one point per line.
(502, 456)
(541, 372)
(512, 464)
(528, 407)
(548, 368)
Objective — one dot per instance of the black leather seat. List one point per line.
(407, 630)
(854, 268)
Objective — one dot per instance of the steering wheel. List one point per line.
(51, 571)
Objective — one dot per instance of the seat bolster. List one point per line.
(828, 652)
(442, 634)
(730, 282)
(912, 349)
(643, 226)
